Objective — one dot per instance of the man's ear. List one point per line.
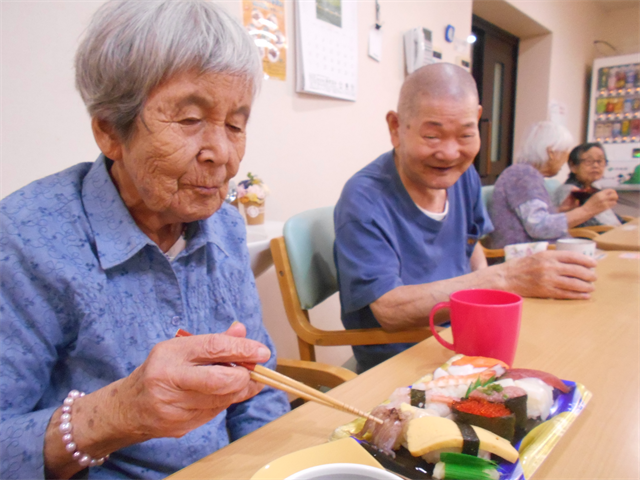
(479, 112)
(393, 122)
(108, 142)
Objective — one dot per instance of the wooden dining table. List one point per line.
(594, 342)
(623, 237)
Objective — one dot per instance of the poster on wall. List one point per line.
(264, 20)
(327, 48)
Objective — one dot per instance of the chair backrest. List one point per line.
(487, 194)
(303, 258)
(309, 238)
(551, 184)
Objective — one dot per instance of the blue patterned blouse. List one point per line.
(85, 295)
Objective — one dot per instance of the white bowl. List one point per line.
(343, 471)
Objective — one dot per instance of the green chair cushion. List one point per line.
(309, 238)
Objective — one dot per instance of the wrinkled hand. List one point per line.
(602, 200)
(177, 389)
(551, 274)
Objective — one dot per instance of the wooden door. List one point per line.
(494, 66)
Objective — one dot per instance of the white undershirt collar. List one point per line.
(436, 216)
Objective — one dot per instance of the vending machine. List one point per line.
(614, 118)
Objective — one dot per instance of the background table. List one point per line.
(624, 237)
(258, 239)
(594, 342)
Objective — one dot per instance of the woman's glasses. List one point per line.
(594, 163)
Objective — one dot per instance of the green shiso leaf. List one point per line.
(469, 460)
(472, 387)
(461, 472)
(479, 383)
(458, 466)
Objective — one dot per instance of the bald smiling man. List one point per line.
(408, 224)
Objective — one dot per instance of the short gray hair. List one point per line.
(131, 46)
(543, 135)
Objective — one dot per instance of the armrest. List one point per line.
(314, 374)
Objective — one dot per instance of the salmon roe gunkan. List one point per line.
(483, 408)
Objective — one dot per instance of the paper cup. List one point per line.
(254, 213)
(579, 245)
(520, 250)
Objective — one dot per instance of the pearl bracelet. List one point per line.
(67, 438)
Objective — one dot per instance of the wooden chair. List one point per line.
(492, 252)
(584, 232)
(314, 374)
(306, 272)
(598, 228)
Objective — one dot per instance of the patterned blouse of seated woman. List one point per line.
(587, 163)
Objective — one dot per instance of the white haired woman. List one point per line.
(521, 208)
(103, 262)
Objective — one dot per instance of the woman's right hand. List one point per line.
(601, 201)
(570, 202)
(177, 389)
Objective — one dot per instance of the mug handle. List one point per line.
(437, 307)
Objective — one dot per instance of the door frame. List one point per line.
(482, 161)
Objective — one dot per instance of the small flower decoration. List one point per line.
(252, 190)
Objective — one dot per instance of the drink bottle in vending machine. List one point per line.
(614, 117)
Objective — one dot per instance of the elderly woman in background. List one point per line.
(521, 207)
(103, 262)
(587, 163)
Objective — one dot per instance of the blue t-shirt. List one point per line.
(383, 241)
(84, 297)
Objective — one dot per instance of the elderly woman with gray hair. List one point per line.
(521, 208)
(103, 262)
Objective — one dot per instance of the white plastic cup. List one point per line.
(579, 245)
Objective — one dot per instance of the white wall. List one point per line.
(305, 147)
(620, 28)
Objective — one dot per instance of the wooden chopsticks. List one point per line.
(263, 375)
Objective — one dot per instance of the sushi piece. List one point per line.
(539, 395)
(495, 417)
(465, 366)
(433, 434)
(402, 463)
(548, 378)
(388, 436)
(514, 398)
(458, 466)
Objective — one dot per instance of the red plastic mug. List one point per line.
(484, 323)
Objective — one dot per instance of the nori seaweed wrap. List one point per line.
(518, 405)
(514, 398)
(495, 417)
(418, 398)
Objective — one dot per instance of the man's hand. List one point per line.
(551, 274)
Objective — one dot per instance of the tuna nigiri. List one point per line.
(548, 378)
